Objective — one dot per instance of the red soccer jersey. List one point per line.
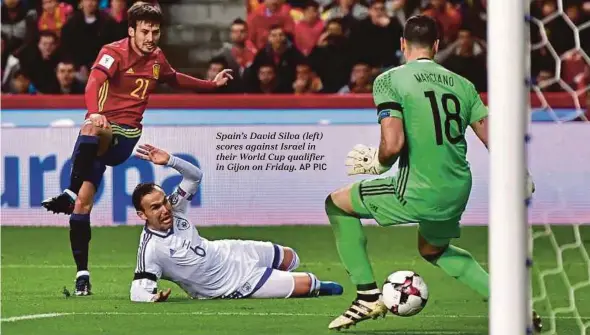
(131, 79)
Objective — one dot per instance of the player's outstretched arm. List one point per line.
(191, 175)
(144, 287)
(481, 130)
(182, 80)
(141, 291)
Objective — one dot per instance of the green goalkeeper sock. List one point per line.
(351, 243)
(460, 264)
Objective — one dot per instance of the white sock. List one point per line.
(71, 194)
(315, 285)
(82, 273)
(369, 292)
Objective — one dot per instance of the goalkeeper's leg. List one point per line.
(351, 244)
(434, 246)
(454, 261)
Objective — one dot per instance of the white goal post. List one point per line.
(508, 98)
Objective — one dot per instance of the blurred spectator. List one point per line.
(85, 33)
(271, 13)
(360, 80)
(558, 31)
(376, 39)
(332, 59)
(308, 30)
(216, 65)
(349, 11)
(54, 16)
(476, 17)
(118, 13)
(572, 65)
(18, 24)
(541, 59)
(536, 8)
(280, 52)
(21, 84)
(578, 16)
(468, 59)
(587, 105)
(547, 82)
(402, 10)
(293, 7)
(66, 79)
(10, 65)
(582, 81)
(4, 56)
(306, 81)
(447, 16)
(38, 62)
(267, 82)
(240, 52)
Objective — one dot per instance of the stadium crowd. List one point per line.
(293, 46)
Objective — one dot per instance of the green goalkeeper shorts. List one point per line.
(377, 199)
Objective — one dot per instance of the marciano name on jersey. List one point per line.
(437, 78)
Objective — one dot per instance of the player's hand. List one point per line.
(530, 185)
(162, 296)
(98, 120)
(150, 153)
(223, 77)
(364, 160)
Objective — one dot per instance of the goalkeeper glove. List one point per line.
(364, 160)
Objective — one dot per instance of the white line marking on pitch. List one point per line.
(33, 317)
(55, 315)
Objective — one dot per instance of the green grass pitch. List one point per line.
(36, 265)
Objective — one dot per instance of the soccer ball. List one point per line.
(405, 293)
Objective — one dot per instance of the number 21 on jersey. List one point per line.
(452, 109)
(141, 89)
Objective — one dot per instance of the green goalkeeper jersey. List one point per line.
(436, 106)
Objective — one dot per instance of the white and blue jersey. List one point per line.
(204, 269)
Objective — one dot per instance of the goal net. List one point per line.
(560, 67)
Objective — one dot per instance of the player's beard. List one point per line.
(143, 47)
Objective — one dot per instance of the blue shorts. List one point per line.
(122, 144)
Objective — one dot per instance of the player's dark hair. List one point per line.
(48, 33)
(374, 2)
(140, 191)
(268, 64)
(311, 3)
(336, 20)
(275, 26)
(143, 11)
(219, 60)
(421, 30)
(17, 73)
(67, 61)
(240, 21)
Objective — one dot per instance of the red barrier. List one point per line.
(212, 101)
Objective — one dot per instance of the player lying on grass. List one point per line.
(124, 75)
(170, 247)
(424, 111)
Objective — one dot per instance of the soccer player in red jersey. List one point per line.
(124, 75)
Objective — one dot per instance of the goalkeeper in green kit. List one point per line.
(424, 111)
